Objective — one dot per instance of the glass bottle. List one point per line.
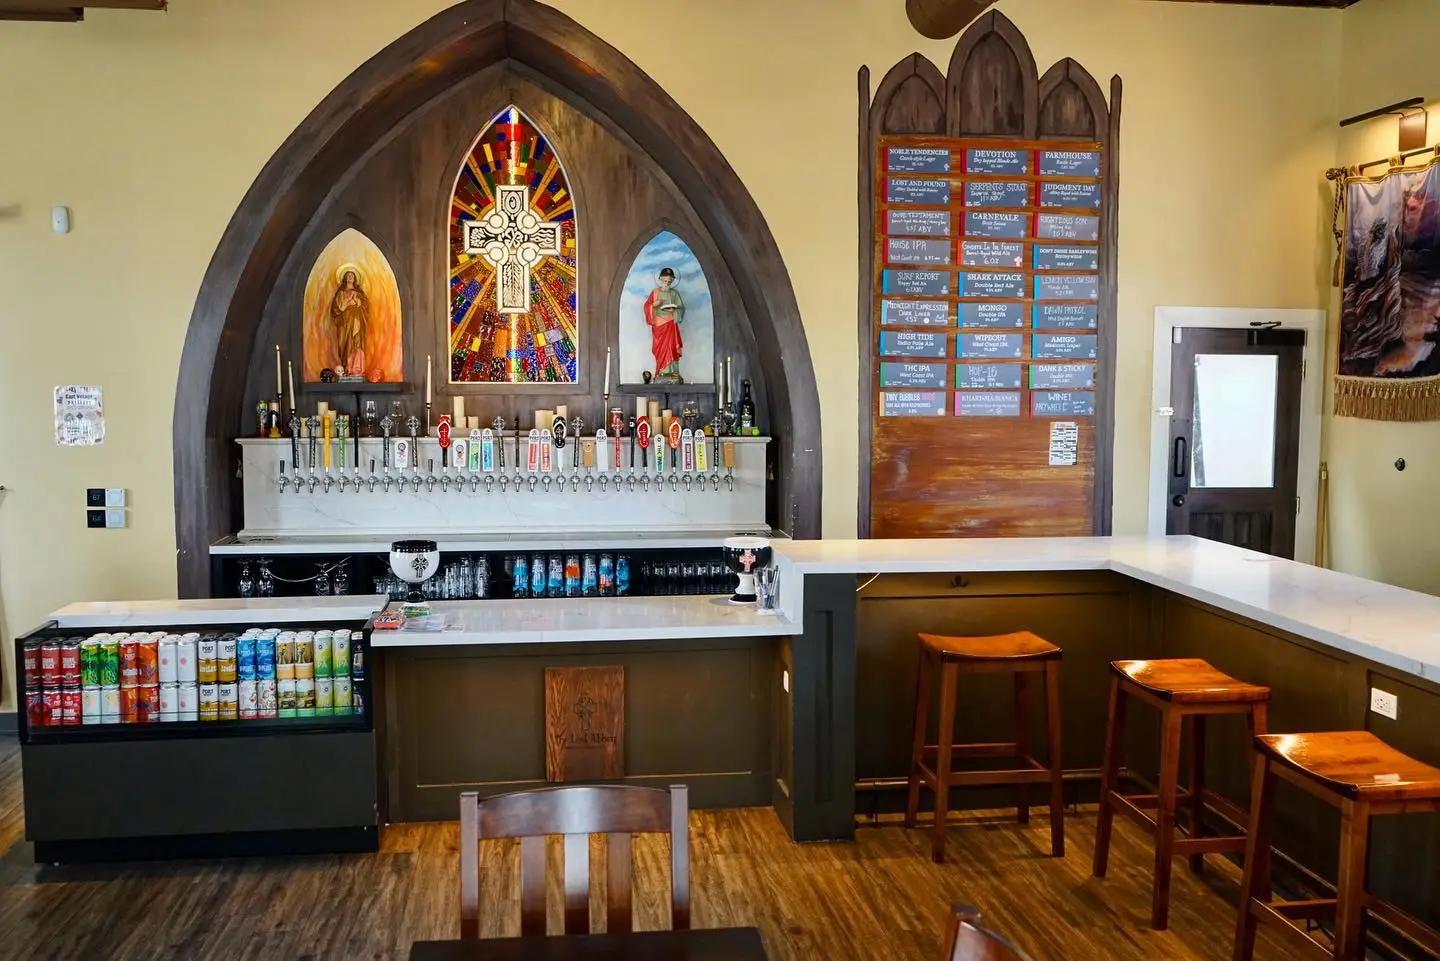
(266, 586)
(747, 409)
(247, 581)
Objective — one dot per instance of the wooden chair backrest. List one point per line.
(617, 811)
(968, 941)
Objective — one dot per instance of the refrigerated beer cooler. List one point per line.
(199, 728)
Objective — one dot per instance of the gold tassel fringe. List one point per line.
(1374, 398)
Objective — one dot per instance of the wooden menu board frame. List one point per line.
(982, 475)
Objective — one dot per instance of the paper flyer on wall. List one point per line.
(79, 416)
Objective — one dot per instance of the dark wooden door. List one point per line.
(1234, 450)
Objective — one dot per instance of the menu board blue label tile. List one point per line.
(1012, 162)
(917, 223)
(1062, 376)
(997, 193)
(918, 160)
(1067, 287)
(1066, 257)
(987, 376)
(1057, 403)
(1067, 227)
(1062, 345)
(918, 283)
(1065, 316)
(904, 190)
(917, 250)
(991, 253)
(918, 404)
(895, 374)
(913, 344)
(1068, 163)
(978, 284)
(921, 313)
(992, 315)
(1004, 346)
(974, 403)
(1083, 196)
(1002, 226)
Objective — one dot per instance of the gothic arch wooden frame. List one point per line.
(452, 46)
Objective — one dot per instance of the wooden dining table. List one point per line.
(701, 944)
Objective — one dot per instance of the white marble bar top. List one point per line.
(581, 540)
(218, 610)
(1389, 625)
(560, 621)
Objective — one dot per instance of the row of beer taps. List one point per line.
(685, 458)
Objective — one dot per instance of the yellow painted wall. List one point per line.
(1380, 523)
(151, 126)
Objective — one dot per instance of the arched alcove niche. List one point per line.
(380, 154)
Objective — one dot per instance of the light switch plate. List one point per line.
(94, 497)
(1384, 703)
(114, 497)
(115, 517)
(94, 519)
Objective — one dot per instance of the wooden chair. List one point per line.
(968, 941)
(617, 811)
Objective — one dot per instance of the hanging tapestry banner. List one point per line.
(1389, 364)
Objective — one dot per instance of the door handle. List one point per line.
(1178, 463)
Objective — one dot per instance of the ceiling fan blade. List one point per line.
(942, 19)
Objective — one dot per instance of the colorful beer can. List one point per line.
(90, 705)
(187, 658)
(169, 702)
(324, 695)
(537, 575)
(555, 576)
(149, 660)
(323, 647)
(189, 694)
(285, 656)
(129, 705)
(265, 658)
(269, 706)
(209, 701)
(357, 655)
(169, 659)
(70, 663)
(340, 654)
(35, 708)
(285, 697)
(245, 659)
(70, 706)
(30, 664)
(206, 664)
(304, 655)
(51, 707)
(129, 661)
(225, 661)
(249, 695)
(50, 664)
(357, 701)
(305, 697)
(147, 708)
(109, 662)
(342, 694)
(90, 662)
(229, 694)
(607, 575)
(110, 704)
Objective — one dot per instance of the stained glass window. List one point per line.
(513, 292)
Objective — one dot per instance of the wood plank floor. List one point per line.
(880, 898)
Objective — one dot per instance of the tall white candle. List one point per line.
(277, 371)
(290, 372)
(607, 371)
(429, 389)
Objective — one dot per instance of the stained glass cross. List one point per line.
(513, 239)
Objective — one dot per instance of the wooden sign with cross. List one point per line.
(584, 723)
(514, 240)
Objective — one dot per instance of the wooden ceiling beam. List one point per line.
(1317, 4)
(68, 11)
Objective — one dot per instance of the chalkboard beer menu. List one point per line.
(987, 278)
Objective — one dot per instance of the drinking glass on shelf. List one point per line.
(397, 412)
(370, 418)
(341, 582)
(322, 582)
(266, 586)
(247, 581)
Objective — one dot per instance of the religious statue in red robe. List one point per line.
(664, 312)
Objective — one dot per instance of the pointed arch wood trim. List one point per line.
(996, 24)
(1068, 71)
(915, 68)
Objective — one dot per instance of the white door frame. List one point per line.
(1167, 319)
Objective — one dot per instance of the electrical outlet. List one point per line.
(94, 497)
(115, 517)
(95, 519)
(1384, 703)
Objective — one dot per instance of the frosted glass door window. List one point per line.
(1234, 420)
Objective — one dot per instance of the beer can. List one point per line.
(342, 695)
(622, 574)
(70, 706)
(129, 705)
(209, 702)
(110, 704)
(229, 694)
(357, 702)
(324, 695)
(30, 664)
(149, 660)
(129, 661)
(605, 580)
(340, 654)
(323, 647)
(285, 697)
(285, 656)
(225, 661)
(169, 702)
(305, 655)
(265, 657)
(109, 662)
(35, 715)
(572, 575)
(537, 575)
(90, 662)
(245, 658)
(186, 653)
(555, 576)
(147, 708)
(189, 707)
(249, 695)
(70, 663)
(50, 664)
(206, 664)
(589, 576)
(266, 695)
(305, 697)
(90, 705)
(519, 576)
(357, 655)
(169, 651)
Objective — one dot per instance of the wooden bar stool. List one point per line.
(1362, 776)
(1021, 654)
(1179, 688)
